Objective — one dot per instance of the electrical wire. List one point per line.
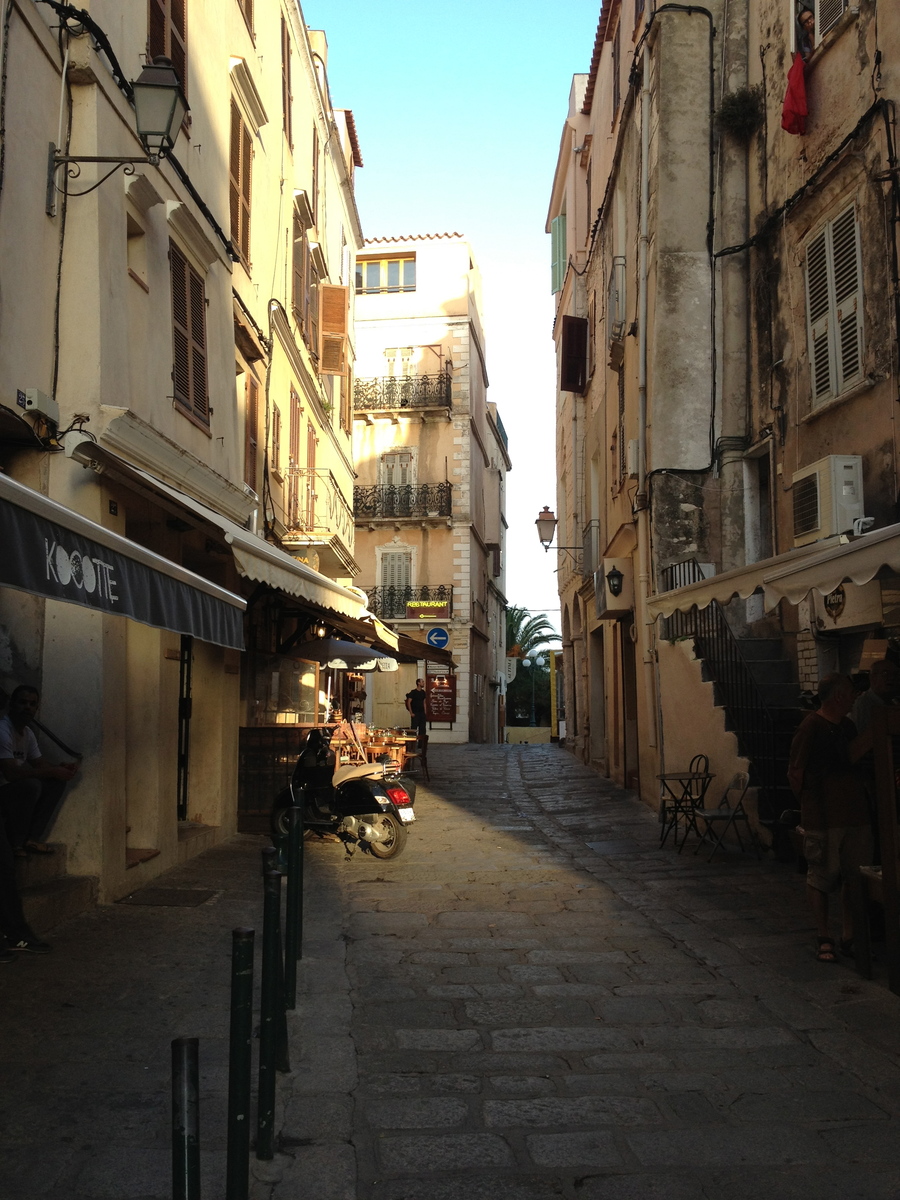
(4, 69)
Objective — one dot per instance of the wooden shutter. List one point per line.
(167, 34)
(241, 158)
(293, 459)
(286, 98)
(181, 371)
(276, 438)
(817, 312)
(251, 432)
(847, 298)
(558, 264)
(334, 303)
(188, 336)
(573, 355)
(347, 402)
(311, 441)
(396, 569)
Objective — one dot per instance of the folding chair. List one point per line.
(717, 821)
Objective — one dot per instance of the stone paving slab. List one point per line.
(534, 1001)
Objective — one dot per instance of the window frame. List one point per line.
(287, 97)
(251, 432)
(384, 264)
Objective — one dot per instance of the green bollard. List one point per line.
(186, 1119)
(237, 1170)
(293, 921)
(271, 1000)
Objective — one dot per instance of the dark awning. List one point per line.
(49, 550)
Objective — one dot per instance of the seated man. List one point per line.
(31, 790)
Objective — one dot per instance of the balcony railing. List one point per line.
(315, 505)
(406, 500)
(394, 603)
(407, 391)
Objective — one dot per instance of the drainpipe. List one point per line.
(642, 500)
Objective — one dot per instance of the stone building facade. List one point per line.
(726, 333)
(431, 460)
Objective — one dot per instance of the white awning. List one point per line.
(820, 567)
(255, 558)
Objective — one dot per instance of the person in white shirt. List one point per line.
(31, 791)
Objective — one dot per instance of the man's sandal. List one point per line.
(826, 952)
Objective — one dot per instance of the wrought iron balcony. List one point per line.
(396, 603)
(388, 392)
(407, 500)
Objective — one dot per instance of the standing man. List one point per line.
(834, 813)
(415, 706)
(31, 790)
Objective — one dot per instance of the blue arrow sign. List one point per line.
(438, 638)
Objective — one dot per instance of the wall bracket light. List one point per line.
(159, 112)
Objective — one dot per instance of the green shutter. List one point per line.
(559, 262)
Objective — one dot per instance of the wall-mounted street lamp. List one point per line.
(614, 581)
(159, 112)
(537, 661)
(546, 527)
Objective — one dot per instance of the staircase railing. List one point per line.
(714, 641)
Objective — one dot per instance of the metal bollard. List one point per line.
(271, 1001)
(269, 859)
(237, 1170)
(293, 921)
(186, 1119)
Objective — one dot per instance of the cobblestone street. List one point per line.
(532, 1001)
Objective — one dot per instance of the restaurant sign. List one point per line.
(427, 609)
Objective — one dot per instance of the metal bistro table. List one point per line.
(682, 792)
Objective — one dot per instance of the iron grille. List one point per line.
(405, 500)
(391, 602)
(406, 391)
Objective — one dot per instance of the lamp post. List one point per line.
(546, 528)
(537, 661)
(159, 111)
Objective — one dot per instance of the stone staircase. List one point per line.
(49, 894)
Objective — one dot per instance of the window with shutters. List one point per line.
(246, 7)
(241, 159)
(333, 315)
(397, 469)
(302, 267)
(276, 441)
(396, 569)
(251, 433)
(834, 307)
(167, 34)
(400, 362)
(559, 257)
(295, 417)
(286, 96)
(827, 14)
(314, 187)
(347, 402)
(311, 442)
(617, 69)
(396, 274)
(189, 337)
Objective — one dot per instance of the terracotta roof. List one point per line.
(354, 140)
(606, 13)
(413, 237)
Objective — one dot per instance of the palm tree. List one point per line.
(525, 634)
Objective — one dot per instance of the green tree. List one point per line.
(525, 633)
(527, 637)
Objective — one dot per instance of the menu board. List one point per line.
(440, 704)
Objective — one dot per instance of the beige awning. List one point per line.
(856, 561)
(744, 581)
(255, 558)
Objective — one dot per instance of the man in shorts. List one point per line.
(837, 837)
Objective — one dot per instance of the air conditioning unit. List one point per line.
(828, 498)
(615, 308)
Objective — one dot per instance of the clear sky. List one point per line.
(459, 110)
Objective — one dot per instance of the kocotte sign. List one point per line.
(45, 558)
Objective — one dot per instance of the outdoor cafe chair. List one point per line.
(681, 793)
(726, 815)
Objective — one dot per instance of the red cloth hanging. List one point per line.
(795, 112)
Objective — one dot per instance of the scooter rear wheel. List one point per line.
(394, 837)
